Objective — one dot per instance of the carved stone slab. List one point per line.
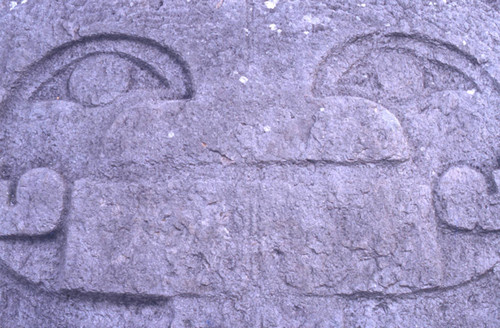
(249, 164)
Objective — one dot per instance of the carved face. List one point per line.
(154, 213)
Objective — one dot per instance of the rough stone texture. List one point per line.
(231, 163)
(165, 237)
(467, 205)
(38, 204)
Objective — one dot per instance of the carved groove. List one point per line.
(328, 79)
(142, 51)
(91, 204)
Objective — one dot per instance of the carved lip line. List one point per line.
(126, 298)
(420, 291)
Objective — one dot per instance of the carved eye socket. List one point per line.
(393, 74)
(97, 69)
(100, 77)
(87, 74)
(395, 67)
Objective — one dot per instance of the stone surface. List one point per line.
(167, 237)
(37, 207)
(467, 205)
(249, 163)
(354, 130)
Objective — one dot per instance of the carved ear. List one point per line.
(39, 204)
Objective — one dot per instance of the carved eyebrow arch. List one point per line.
(437, 52)
(383, 50)
(424, 39)
(160, 60)
(138, 62)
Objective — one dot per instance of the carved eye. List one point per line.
(396, 67)
(58, 102)
(97, 69)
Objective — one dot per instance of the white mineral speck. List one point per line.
(243, 79)
(363, 5)
(471, 91)
(279, 31)
(13, 4)
(273, 27)
(322, 109)
(311, 20)
(267, 128)
(464, 43)
(24, 1)
(306, 32)
(271, 4)
(171, 134)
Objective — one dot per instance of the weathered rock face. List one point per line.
(249, 164)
